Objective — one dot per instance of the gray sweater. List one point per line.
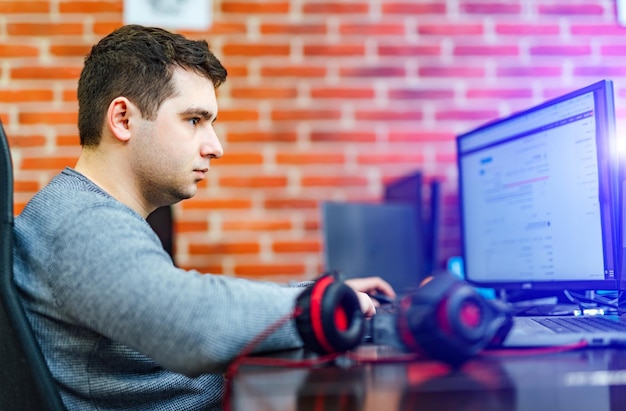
(120, 326)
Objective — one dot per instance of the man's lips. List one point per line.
(201, 172)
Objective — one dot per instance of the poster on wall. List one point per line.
(169, 14)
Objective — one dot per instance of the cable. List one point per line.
(582, 299)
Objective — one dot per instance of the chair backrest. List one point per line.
(25, 380)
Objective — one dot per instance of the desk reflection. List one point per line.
(592, 379)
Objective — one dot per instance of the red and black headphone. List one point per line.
(330, 318)
(445, 318)
(450, 321)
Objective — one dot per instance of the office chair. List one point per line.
(25, 381)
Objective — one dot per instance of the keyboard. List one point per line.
(581, 324)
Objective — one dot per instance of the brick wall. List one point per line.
(325, 100)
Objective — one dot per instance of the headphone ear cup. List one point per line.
(448, 320)
(330, 318)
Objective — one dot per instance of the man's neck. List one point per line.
(118, 184)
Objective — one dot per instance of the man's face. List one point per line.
(171, 154)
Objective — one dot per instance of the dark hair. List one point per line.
(137, 62)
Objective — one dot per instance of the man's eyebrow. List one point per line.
(200, 112)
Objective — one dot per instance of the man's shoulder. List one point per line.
(67, 195)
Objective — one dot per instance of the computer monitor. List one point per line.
(539, 196)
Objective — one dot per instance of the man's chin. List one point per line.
(182, 195)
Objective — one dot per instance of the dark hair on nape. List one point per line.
(137, 62)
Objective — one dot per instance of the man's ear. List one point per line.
(118, 118)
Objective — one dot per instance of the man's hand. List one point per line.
(370, 285)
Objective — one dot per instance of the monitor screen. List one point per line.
(538, 194)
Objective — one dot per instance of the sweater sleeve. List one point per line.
(110, 274)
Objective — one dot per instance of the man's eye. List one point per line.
(194, 121)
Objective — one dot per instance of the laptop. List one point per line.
(539, 198)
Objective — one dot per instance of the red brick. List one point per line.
(290, 70)
(485, 50)
(225, 248)
(26, 95)
(181, 227)
(254, 182)
(222, 28)
(334, 181)
(597, 30)
(265, 93)
(304, 114)
(70, 50)
(336, 7)
(420, 136)
(343, 136)
(334, 50)
(391, 158)
(372, 29)
(102, 27)
(21, 6)
(409, 50)
(16, 141)
(91, 7)
(585, 10)
(410, 8)
(229, 115)
(603, 71)
(342, 93)
(465, 115)
(46, 73)
(214, 204)
(296, 247)
(312, 225)
(613, 50)
(260, 136)
(48, 118)
(255, 50)
(561, 50)
(499, 93)
(517, 29)
(231, 158)
(18, 206)
(254, 7)
(47, 163)
(457, 29)
(264, 270)
(529, 71)
(373, 71)
(293, 203)
(456, 71)
(256, 225)
(489, 8)
(388, 115)
(70, 95)
(292, 28)
(44, 29)
(421, 94)
(67, 140)
(18, 50)
(25, 186)
(236, 71)
(309, 158)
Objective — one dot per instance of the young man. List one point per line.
(120, 326)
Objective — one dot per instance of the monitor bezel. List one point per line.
(604, 107)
